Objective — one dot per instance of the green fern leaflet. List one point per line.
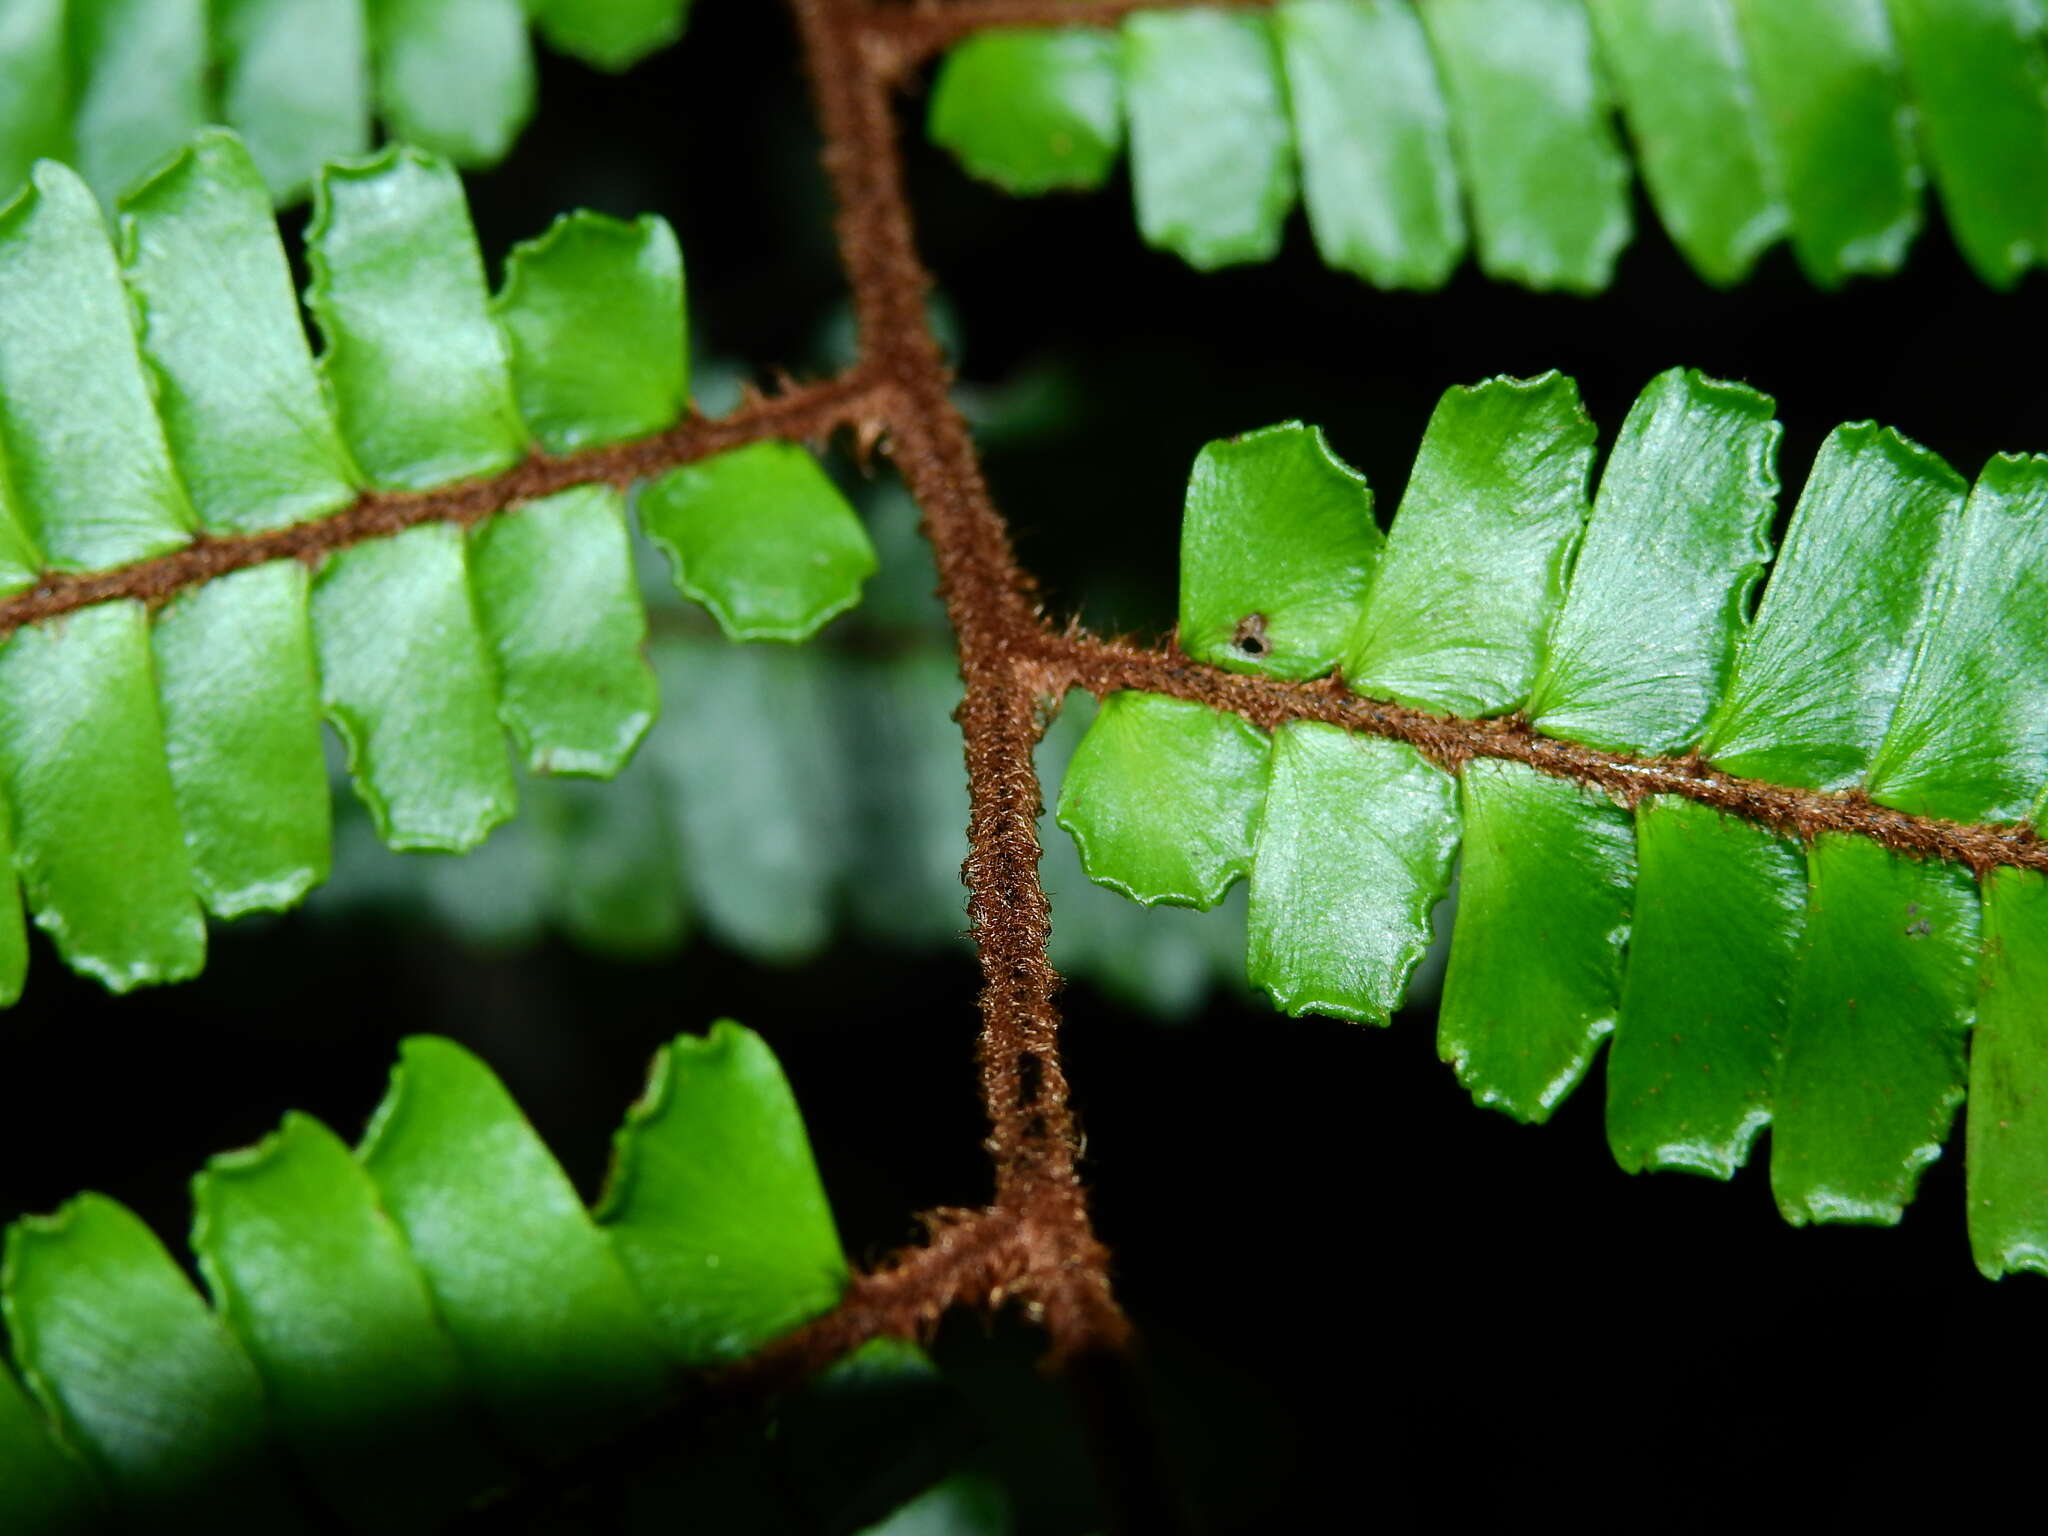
(1751, 120)
(399, 1330)
(1897, 658)
(116, 86)
(164, 401)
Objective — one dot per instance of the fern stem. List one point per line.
(804, 412)
(1081, 660)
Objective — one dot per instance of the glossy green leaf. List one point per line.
(1969, 739)
(241, 713)
(295, 83)
(454, 76)
(1373, 133)
(1980, 93)
(407, 679)
(1679, 69)
(1165, 960)
(593, 311)
(13, 931)
(757, 800)
(35, 89)
(1162, 797)
(1840, 129)
(90, 481)
(140, 1376)
(714, 1204)
(1032, 111)
(315, 1281)
(559, 1346)
(44, 1488)
(1534, 980)
(140, 73)
(1353, 852)
(553, 582)
(418, 369)
(1678, 536)
(1476, 561)
(1817, 676)
(762, 537)
(1881, 1000)
(2008, 1115)
(241, 406)
(96, 833)
(1277, 550)
(1212, 155)
(612, 34)
(1530, 122)
(1719, 908)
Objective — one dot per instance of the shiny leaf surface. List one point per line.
(1353, 852)
(1980, 85)
(1212, 154)
(1678, 536)
(1532, 129)
(417, 368)
(1719, 909)
(241, 720)
(96, 834)
(316, 1282)
(1969, 739)
(1162, 797)
(714, 1204)
(142, 1378)
(1679, 69)
(1881, 1001)
(1277, 550)
(1373, 133)
(1839, 128)
(89, 481)
(559, 1346)
(295, 84)
(2007, 1128)
(1032, 111)
(407, 679)
(1819, 672)
(555, 597)
(242, 407)
(761, 537)
(593, 311)
(1476, 561)
(454, 76)
(1534, 980)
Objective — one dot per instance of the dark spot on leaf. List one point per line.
(1250, 637)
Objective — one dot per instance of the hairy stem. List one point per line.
(1080, 660)
(806, 412)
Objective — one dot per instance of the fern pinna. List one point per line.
(200, 462)
(402, 1331)
(1581, 699)
(115, 86)
(1752, 121)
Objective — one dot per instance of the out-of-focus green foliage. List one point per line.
(1752, 120)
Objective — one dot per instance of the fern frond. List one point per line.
(831, 802)
(1751, 120)
(1894, 663)
(168, 405)
(398, 1330)
(116, 86)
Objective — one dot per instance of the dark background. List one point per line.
(1357, 1288)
